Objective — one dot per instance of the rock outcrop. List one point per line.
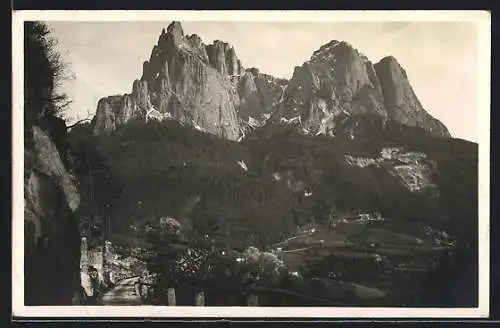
(339, 80)
(51, 232)
(113, 111)
(260, 95)
(223, 57)
(401, 103)
(184, 79)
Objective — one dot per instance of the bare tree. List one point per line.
(80, 121)
(45, 71)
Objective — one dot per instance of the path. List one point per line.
(297, 250)
(122, 294)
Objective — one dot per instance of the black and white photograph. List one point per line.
(251, 164)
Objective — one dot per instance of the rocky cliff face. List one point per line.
(113, 111)
(260, 95)
(184, 79)
(51, 231)
(401, 103)
(339, 80)
(206, 87)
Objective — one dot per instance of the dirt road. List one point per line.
(122, 294)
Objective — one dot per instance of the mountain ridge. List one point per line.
(207, 87)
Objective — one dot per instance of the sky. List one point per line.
(440, 58)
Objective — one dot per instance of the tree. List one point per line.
(99, 190)
(44, 72)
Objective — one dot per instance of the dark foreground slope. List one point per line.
(166, 169)
(376, 165)
(419, 194)
(51, 240)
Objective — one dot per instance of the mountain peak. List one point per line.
(175, 29)
(340, 79)
(401, 102)
(389, 60)
(183, 79)
(391, 63)
(333, 48)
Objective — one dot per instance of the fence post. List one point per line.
(171, 296)
(252, 300)
(200, 299)
(84, 253)
(137, 289)
(144, 291)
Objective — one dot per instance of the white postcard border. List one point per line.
(483, 20)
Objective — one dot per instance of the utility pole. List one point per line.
(108, 225)
(91, 187)
(229, 236)
(135, 237)
(104, 240)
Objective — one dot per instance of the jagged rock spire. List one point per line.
(401, 102)
(175, 29)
